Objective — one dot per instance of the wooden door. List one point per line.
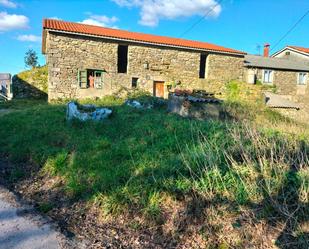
(158, 89)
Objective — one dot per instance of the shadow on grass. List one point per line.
(126, 162)
(287, 206)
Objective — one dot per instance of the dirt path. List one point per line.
(21, 228)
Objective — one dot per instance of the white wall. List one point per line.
(293, 55)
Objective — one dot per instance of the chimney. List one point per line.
(266, 50)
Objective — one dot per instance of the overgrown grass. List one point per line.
(253, 165)
(21, 104)
(138, 159)
(37, 77)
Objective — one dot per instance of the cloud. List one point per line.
(29, 38)
(9, 22)
(55, 18)
(8, 4)
(103, 21)
(152, 11)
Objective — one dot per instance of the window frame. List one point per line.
(85, 80)
(304, 78)
(270, 76)
(96, 86)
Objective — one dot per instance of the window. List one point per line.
(98, 79)
(268, 76)
(134, 82)
(287, 53)
(203, 66)
(82, 78)
(122, 59)
(302, 78)
(90, 78)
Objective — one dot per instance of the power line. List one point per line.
(290, 30)
(201, 19)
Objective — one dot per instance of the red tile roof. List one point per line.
(305, 50)
(84, 29)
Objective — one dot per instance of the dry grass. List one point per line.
(239, 183)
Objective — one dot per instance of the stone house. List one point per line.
(289, 76)
(89, 61)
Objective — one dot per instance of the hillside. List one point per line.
(31, 83)
(149, 179)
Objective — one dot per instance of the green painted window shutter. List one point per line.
(82, 78)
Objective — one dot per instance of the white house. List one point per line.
(293, 53)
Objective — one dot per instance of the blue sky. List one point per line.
(238, 24)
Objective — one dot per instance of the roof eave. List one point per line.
(44, 33)
(143, 42)
(291, 48)
(278, 68)
(297, 50)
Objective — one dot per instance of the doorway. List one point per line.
(158, 89)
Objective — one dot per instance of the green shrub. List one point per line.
(233, 90)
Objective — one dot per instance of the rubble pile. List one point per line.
(86, 112)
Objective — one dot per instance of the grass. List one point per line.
(21, 104)
(36, 76)
(141, 161)
(45, 207)
(16, 174)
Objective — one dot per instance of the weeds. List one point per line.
(138, 159)
(45, 207)
(252, 165)
(233, 89)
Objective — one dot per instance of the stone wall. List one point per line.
(31, 83)
(289, 87)
(67, 54)
(286, 83)
(224, 68)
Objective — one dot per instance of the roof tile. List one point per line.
(85, 29)
(305, 50)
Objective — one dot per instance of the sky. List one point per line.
(244, 25)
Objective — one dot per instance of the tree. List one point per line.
(31, 58)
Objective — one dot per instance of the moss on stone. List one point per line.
(31, 83)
